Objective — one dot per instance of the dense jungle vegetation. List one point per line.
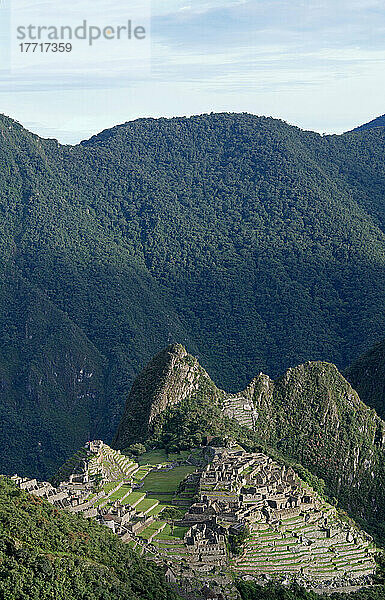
(256, 244)
(46, 553)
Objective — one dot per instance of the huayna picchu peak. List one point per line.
(170, 377)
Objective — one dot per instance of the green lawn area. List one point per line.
(153, 457)
(166, 481)
(150, 530)
(133, 497)
(166, 500)
(110, 486)
(179, 532)
(165, 534)
(160, 456)
(120, 492)
(141, 473)
(197, 453)
(145, 504)
(168, 534)
(182, 455)
(156, 510)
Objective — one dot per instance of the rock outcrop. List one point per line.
(313, 415)
(170, 377)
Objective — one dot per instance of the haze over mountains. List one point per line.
(257, 245)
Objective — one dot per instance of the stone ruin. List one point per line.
(206, 544)
(293, 533)
(78, 494)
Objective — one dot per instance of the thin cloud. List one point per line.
(225, 54)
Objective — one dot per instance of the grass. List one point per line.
(182, 455)
(163, 500)
(140, 473)
(170, 534)
(120, 492)
(166, 481)
(197, 453)
(179, 532)
(151, 529)
(132, 498)
(156, 510)
(153, 457)
(160, 457)
(145, 504)
(110, 486)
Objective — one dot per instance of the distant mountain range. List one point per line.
(257, 245)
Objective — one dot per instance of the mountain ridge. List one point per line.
(377, 122)
(103, 133)
(251, 241)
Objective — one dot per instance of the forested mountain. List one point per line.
(367, 375)
(378, 122)
(254, 243)
(310, 415)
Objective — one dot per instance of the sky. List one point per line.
(318, 64)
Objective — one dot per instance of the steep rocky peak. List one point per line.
(170, 377)
(316, 388)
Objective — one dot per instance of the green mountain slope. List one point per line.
(311, 415)
(52, 380)
(46, 553)
(264, 230)
(70, 304)
(367, 375)
(257, 244)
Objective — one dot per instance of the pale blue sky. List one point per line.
(319, 64)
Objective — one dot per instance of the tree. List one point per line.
(137, 449)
